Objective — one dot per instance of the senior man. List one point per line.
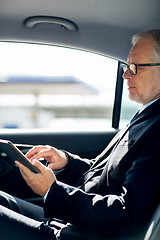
(112, 196)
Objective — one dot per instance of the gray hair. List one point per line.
(155, 35)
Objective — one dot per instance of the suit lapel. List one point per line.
(101, 159)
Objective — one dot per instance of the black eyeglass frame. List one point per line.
(136, 65)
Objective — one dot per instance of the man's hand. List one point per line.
(56, 158)
(40, 182)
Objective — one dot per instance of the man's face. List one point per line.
(145, 85)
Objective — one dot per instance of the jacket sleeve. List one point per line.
(80, 166)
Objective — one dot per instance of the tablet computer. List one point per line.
(15, 154)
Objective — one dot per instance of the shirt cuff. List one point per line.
(45, 196)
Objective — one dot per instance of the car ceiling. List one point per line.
(102, 26)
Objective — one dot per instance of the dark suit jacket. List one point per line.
(121, 188)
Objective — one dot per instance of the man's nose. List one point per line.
(127, 74)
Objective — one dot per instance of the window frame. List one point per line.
(118, 97)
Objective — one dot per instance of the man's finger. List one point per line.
(34, 150)
(39, 165)
(26, 171)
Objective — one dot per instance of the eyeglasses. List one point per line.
(133, 66)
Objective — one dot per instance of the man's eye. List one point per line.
(139, 68)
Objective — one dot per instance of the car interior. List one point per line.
(104, 28)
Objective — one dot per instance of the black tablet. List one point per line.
(15, 154)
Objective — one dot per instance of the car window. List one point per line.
(56, 88)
